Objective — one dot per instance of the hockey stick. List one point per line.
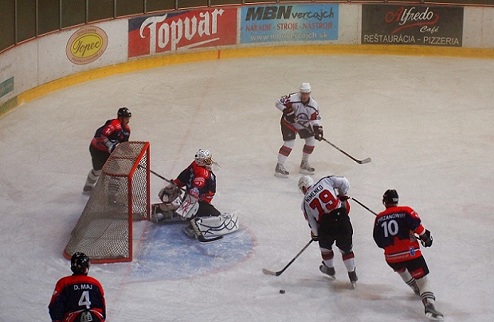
(278, 273)
(375, 214)
(364, 206)
(160, 176)
(366, 160)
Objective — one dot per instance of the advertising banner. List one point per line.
(6, 86)
(412, 25)
(282, 23)
(182, 30)
(86, 45)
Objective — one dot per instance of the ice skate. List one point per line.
(280, 171)
(431, 312)
(353, 277)
(189, 231)
(305, 168)
(92, 177)
(327, 270)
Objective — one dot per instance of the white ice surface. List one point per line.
(427, 124)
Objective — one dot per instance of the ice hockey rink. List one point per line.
(426, 122)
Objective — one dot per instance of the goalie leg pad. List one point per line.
(217, 225)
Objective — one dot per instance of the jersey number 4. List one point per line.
(84, 300)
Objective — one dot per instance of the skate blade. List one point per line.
(280, 175)
(434, 317)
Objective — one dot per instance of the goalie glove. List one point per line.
(289, 114)
(426, 238)
(111, 145)
(318, 132)
(169, 193)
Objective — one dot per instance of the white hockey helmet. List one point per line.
(305, 88)
(304, 183)
(204, 158)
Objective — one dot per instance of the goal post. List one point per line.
(120, 197)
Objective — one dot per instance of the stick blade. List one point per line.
(203, 239)
(367, 160)
(268, 272)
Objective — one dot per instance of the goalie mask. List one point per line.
(79, 263)
(204, 158)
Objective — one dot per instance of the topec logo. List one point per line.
(86, 45)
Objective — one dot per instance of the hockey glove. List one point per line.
(111, 145)
(314, 237)
(194, 192)
(289, 114)
(343, 197)
(318, 132)
(426, 239)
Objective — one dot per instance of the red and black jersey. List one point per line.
(75, 294)
(394, 230)
(199, 182)
(112, 131)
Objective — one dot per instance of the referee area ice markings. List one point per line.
(245, 52)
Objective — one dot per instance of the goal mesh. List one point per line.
(121, 195)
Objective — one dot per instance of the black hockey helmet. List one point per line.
(124, 112)
(79, 263)
(390, 197)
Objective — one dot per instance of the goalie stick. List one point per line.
(278, 273)
(160, 176)
(200, 237)
(366, 160)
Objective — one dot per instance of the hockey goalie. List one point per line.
(188, 199)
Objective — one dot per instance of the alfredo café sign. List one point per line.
(86, 45)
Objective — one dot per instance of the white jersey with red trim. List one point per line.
(322, 197)
(305, 114)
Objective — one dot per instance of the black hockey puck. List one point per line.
(282, 291)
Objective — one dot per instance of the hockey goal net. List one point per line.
(121, 196)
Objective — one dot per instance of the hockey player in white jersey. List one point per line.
(199, 183)
(326, 208)
(300, 115)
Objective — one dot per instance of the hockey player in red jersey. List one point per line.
(199, 182)
(326, 209)
(78, 297)
(395, 230)
(300, 115)
(105, 140)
